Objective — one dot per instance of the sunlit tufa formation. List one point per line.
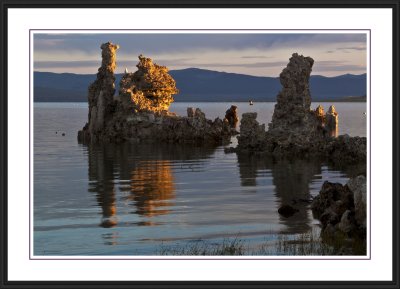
(331, 119)
(140, 111)
(150, 88)
(319, 112)
(231, 116)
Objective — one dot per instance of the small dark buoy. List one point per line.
(63, 134)
(287, 211)
(56, 132)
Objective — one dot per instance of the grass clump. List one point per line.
(228, 247)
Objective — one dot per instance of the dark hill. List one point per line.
(205, 85)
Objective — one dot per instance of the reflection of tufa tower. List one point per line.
(151, 182)
(101, 176)
(152, 187)
(292, 181)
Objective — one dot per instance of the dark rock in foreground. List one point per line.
(341, 209)
(333, 200)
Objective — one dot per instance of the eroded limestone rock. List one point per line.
(252, 135)
(140, 112)
(336, 208)
(332, 120)
(292, 109)
(319, 111)
(333, 197)
(231, 115)
(293, 124)
(101, 93)
(150, 88)
(345, 149)
(295, 129)
(347, 224)
(190, 111)
(358, 186)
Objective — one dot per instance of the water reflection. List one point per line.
(291, 180)
(143, 172)
(101, 172)
(152, 187)
(292, 186)
(141, 180)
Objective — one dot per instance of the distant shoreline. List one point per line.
(196, 85)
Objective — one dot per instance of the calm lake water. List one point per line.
(132, 199)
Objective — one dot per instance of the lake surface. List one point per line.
(132, 199)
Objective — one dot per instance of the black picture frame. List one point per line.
(8, 4)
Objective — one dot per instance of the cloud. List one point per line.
(347, 49)
(360, 48)
(97, 63)
(40, 65)
(247, 65)
(65, 64)
(332, 65)
(177, 43)
(256, 56)
(319, 66)
(247, 52)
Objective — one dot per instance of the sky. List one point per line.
(259, 54)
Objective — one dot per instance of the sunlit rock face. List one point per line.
(332, 118)
(319, 112)
(231, 116)
(150, 88)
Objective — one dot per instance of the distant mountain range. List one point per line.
(199, 85)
